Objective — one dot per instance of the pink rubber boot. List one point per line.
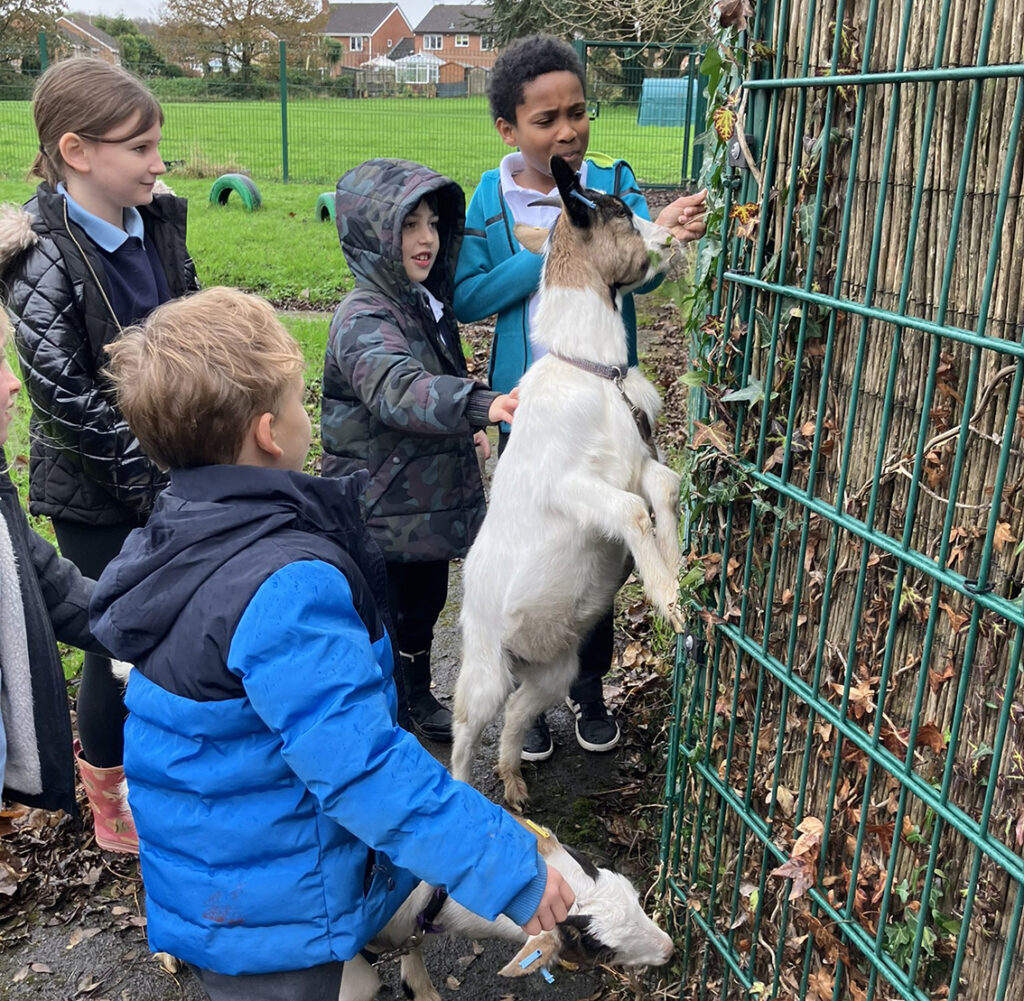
(108, 799)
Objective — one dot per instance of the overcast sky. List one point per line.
(414, 10)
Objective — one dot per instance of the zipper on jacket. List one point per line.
(88, 264)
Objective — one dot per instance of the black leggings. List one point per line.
(101, 711)
(416, 593)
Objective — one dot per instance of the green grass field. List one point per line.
(309, 329)
(282, 251)
(328, 136)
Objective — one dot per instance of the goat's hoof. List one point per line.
(515, 793)
(411, 992)
(676, 622)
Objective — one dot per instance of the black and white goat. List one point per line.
(579, 491)
(606, 925)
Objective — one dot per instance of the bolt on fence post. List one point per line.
(284, 112)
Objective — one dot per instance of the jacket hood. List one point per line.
(371, 202)
(227, 509)
(16, 233)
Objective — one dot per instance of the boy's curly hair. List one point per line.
(191, 377)
(522, 61)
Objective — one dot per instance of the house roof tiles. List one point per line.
(358, 18)
(83, 24)
(449, 17)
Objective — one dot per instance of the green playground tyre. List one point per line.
(243, 186)
(325, 207)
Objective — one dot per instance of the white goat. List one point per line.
(606, 925)
(575, 490)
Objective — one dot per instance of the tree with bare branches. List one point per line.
(22, 20)
(662, 21)
(236, 32)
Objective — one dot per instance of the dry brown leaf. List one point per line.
(717, 435)
(957, 620)
(822, 984)
(811, 831)
(87, 984)
(929, 735)
(1002, 535)
(168, 962)
(936, 680)
(785, 799)
(81, 935)
(800, 871)
(733, 13)
(9, 879)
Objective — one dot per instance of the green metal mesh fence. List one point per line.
(644, 102)
(845, 788)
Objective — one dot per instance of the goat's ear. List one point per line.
(531, 237)
(576, 204)
(547, 943)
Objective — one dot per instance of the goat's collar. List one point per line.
(425, 918)
(614, 373)
(424, 926)
(617, 374)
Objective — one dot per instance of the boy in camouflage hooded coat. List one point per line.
(398, 401)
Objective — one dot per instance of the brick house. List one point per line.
(79, 35)
(365, 30)
(449, 32)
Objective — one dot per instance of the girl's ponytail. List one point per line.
(44, 168)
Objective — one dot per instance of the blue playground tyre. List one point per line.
(239, 183)
(325, 207)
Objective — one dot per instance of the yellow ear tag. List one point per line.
(537, 829)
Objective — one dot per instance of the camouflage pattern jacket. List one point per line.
(397, 399)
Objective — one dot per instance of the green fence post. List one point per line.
(284, 112)
(580, 45)
(43, 62)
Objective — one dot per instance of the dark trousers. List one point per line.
(416, 594)
(319, 983)
(101, 711)
(597, 648)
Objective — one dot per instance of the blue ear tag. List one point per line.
(580, 197)
(530, 960)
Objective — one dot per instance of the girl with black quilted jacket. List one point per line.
(100, 244)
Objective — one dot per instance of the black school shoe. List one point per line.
(596, 728)
(537, 744)
(430, 719)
